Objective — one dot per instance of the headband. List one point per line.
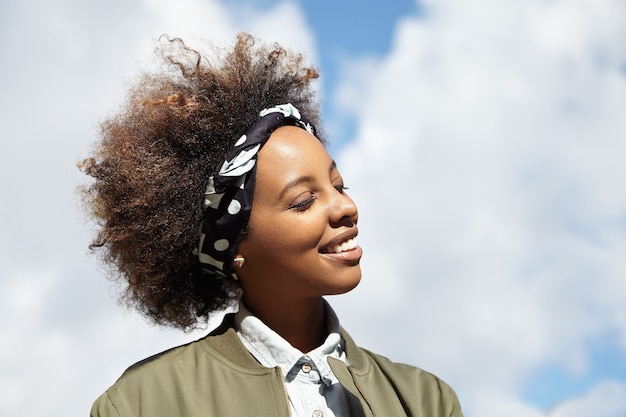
(229, 194)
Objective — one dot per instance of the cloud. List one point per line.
(487, 168)
(606, 400)
(66, 68)
(283, 22)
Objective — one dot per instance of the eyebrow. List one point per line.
(301, 180)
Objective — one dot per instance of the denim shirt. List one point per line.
(312, 388)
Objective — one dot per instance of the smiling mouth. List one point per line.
(345, 246)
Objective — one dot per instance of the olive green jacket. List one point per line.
(216, 376)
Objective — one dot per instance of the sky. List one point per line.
(482, 141)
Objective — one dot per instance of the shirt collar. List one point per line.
(271, 350)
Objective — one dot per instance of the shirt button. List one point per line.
(318, 413)
(306, 368)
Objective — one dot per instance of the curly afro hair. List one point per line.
(151, 165)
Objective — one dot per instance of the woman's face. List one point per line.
(300, 241)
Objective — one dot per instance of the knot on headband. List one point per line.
(229, 194)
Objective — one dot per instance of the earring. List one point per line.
(238, 261)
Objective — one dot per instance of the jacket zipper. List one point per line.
(356, 384)
(283, 383)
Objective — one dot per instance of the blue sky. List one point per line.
(353, 28)
(347, 29)
(483, 142)
(552, 384)
(344, 30)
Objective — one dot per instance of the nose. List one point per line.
(343, 211)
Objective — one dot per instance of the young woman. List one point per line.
(212, 185)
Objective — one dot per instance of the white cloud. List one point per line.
(63, 336)
(488, 171)
(605, 400)
(282, 23)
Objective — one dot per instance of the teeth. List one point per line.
(345, 246)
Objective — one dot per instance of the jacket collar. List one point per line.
(224, 342)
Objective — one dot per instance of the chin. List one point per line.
(348, 284)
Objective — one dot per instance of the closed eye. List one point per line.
(302, 205)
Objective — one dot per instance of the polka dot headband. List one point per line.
(229, 194)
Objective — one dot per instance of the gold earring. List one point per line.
(238, 261)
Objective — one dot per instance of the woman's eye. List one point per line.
(341, 188)
(303, 204)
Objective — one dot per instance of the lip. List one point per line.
(340, 238)
(351, 257)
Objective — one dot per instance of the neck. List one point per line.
(300, 322)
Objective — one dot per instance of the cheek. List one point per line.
(293, 233)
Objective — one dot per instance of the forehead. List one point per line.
(294, 145)
(289, 153)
